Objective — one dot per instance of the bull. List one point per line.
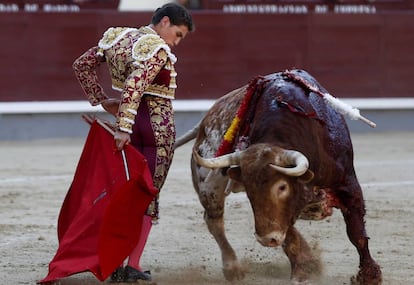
(292, 154)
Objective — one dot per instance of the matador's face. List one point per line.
(170, 33)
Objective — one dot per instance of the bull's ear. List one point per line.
(234, 173)
(307, 177)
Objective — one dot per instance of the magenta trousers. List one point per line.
(153, 134)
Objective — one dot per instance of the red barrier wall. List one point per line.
(352, 55)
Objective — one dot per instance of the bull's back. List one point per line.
(333, 126)
(305, 122)
(309, 105)
(323, 136)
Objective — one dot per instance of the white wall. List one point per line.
(141, 5)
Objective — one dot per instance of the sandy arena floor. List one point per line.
(35, 175)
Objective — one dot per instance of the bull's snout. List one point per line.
(272, 239)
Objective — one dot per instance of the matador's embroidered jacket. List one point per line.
(139, 61)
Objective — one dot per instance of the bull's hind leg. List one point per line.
(212, 197)
(353, 210)
(303, 262)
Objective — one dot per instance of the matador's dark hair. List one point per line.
(178, 15)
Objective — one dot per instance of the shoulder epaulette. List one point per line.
(148, 45)
(113, 35)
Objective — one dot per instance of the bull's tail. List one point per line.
(188, 136)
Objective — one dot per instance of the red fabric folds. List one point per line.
(101, 217)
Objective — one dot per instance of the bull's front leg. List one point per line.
(304, 264)
(212, 197)
(353, 210)
(232, 268)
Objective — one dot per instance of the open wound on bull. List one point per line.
(319, 205)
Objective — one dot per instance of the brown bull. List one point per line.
(291, 153)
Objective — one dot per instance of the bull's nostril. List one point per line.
(273, 242)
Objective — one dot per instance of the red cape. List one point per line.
(101, 217)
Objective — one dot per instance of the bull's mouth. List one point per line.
(273, 239)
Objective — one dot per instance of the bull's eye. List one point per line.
(282, 188)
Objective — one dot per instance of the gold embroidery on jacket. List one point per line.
(85, 71)
(135, 57)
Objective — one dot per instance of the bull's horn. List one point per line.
(217, 162)
(291, 157)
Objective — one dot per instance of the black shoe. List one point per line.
(118, 275)
(133, 275)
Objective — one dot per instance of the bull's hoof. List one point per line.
(358, 280)
(371, 275)
(234, 272)
(308, 270)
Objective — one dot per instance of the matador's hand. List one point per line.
(111, 105)
(121, 139)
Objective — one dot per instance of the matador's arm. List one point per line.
(85, 71)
